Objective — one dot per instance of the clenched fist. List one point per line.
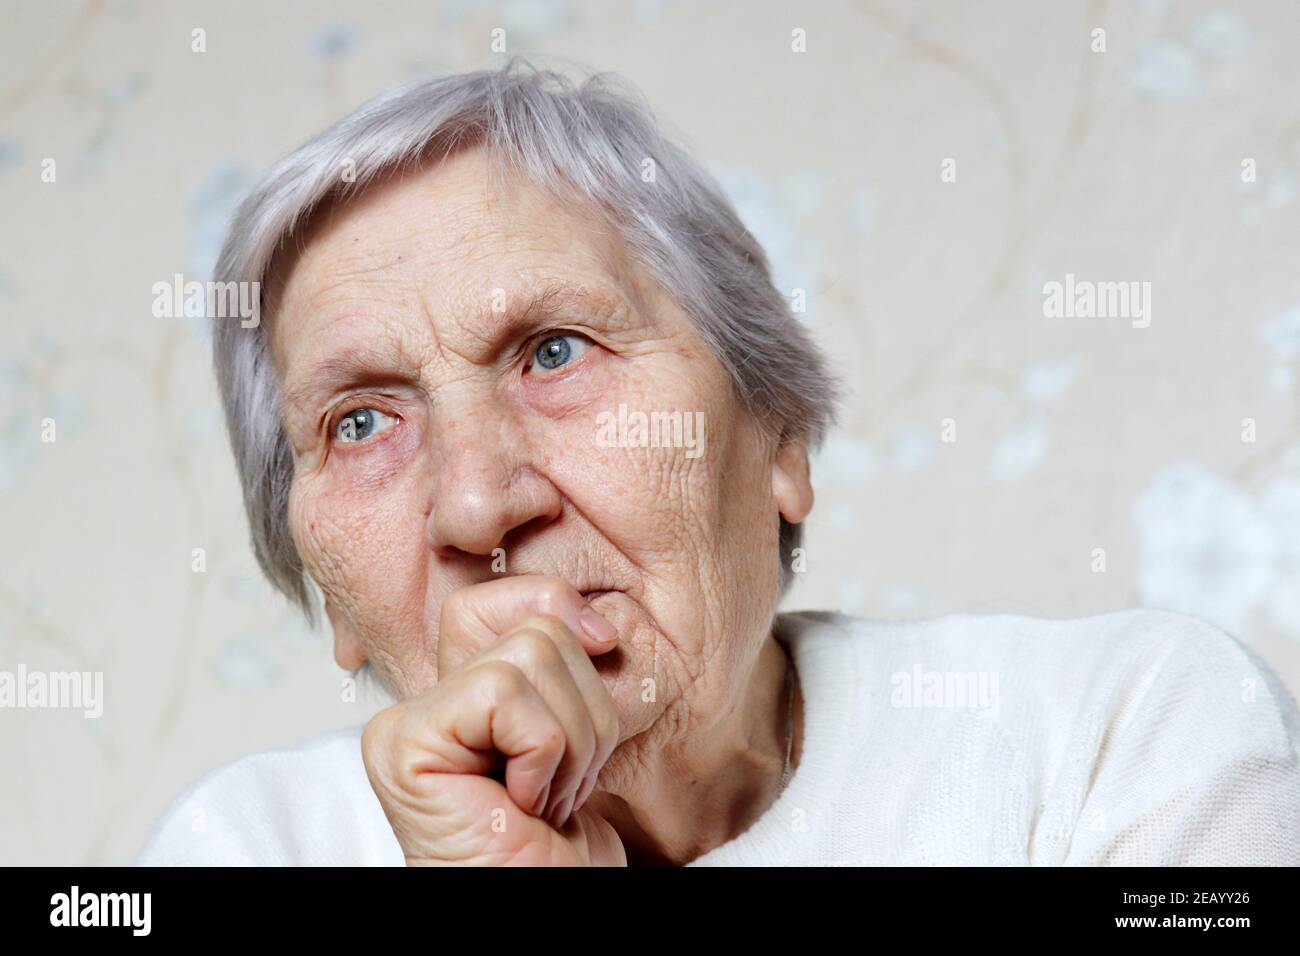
(492, 765)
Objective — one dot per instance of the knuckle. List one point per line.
(500, 680)
(548, 624)
(532, 649)
(607, 726)
(551, 737)
(378, 732)
(586, 747)
(553, 595)
(380, 745)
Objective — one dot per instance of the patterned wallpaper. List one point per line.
(956, 192)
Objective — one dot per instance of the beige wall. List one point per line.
(1073, 434)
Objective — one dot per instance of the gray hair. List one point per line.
(589, 140)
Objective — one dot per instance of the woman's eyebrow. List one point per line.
(346, 367)
(550, 301)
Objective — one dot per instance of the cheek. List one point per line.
(365, 547)
(638, 459)
(666, 509)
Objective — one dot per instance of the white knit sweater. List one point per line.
(1133, 738)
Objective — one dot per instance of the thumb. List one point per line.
(474, 617)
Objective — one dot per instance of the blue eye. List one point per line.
(361, 423)
(560, 350)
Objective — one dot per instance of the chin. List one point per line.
(625, 668)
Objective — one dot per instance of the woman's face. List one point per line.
(434, 449)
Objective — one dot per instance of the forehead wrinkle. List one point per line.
(330, 283)
(347, 269)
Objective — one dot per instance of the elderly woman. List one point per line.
(464, 284)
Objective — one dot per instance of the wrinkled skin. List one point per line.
(484, 456)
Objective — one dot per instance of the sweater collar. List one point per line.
(822, 647)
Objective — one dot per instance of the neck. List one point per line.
(707, 789)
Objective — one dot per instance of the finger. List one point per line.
(537, 653)
(601, 712)
(605, 847)
(595, 839)
(474, 617)
(600, 706)
(494, 707)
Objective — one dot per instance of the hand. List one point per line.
(528, 709)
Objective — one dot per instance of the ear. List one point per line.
(791, 486)
(349, 651)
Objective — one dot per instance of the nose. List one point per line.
(484, 484)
